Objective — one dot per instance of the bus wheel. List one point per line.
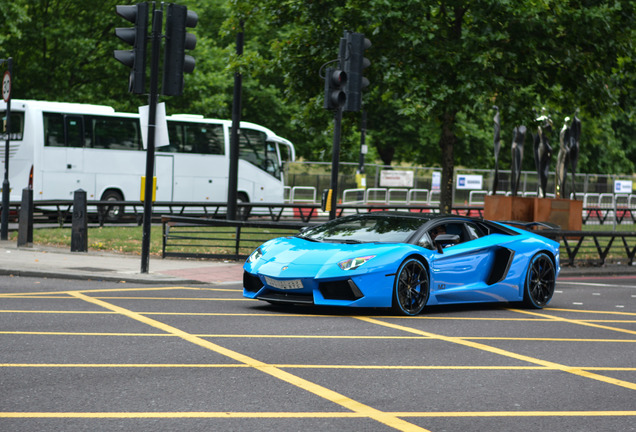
(112, 213)
(242, 212)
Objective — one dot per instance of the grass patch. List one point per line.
(127, 240)
(109, 239)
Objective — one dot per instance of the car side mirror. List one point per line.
(443, 240)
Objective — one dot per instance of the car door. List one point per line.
(461, 272)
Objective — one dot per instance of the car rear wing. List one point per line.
(532, 225)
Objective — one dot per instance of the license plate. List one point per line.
(284, 284)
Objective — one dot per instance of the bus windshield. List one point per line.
(257, 150)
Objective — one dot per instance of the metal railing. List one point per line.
(209, 238)
(306, 211)
(594, 247)
(206, 238)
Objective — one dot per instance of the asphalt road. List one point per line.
(104, 356)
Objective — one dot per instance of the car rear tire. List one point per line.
(411, 288)
(540, 282)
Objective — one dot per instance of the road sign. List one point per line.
(6, 86)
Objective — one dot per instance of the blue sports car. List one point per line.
(404, 261)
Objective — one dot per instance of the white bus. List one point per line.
(57, 148)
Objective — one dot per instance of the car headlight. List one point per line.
(255, 256)
(354, 263)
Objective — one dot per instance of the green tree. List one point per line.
(443, 64)
(438, 67)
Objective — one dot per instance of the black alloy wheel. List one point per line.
(540, 281)
(411, 288)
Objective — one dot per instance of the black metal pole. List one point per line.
(6, 187)
(335, 161)
(157, 21)
(232, 185)
(363, 135)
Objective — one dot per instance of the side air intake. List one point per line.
(501, 265)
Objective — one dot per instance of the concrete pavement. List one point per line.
(49, 262)
(52, 262)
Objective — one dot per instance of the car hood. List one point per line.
(299, 257)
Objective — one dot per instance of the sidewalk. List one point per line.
(52, 262)
(49, 262)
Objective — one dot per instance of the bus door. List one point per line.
(164, 171)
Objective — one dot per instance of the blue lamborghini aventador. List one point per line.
(404, 261)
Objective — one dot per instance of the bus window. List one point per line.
(204, 138)
(17, 125)
(74, 131)
(116, 133)
(54, 130)
(175, 135)
(63, 130)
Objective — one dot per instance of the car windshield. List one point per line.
(364, 229)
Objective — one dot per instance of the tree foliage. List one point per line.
(438, 67)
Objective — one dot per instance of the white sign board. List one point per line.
(393, 178)
(623, 186)
(161, 126)
(466, 181)
(437, 180)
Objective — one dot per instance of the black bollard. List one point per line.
(79, 229)
(25, 222)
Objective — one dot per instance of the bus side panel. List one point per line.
(200, 178)
(119, 170)
(164, 171)
(64, 173)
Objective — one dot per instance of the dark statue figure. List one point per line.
(563, 161)
(497, 144)
(543, 152)
(518, 138)
(575, 139)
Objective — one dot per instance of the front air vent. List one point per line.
(340, 290)
(251, 282)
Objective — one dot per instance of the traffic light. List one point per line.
(137, 37)
(335, 81)
(175, 60)
(354, 64)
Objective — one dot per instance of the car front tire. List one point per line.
(411, 288)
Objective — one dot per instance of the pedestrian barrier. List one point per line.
(210, 238)
(595, 247)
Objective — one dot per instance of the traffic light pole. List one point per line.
(157, 21)
(232, 189)
(363, 135)
(335, 161)
(6, 188)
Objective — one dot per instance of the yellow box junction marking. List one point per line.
(359, 410)
(499, 351)
(318, 390)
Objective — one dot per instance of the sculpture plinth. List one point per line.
(562, 212)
